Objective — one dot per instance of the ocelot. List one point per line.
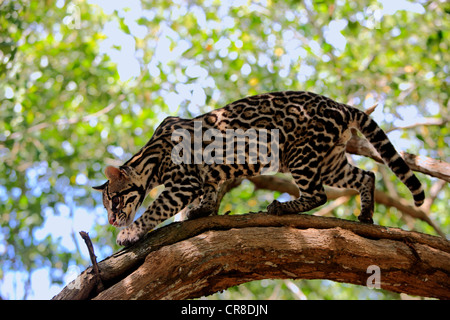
(308, 137)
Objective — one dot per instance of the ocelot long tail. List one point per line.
(376, 136)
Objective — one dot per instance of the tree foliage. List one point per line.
(83, 85)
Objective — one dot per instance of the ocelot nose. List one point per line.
(112, 220)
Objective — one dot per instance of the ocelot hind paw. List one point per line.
(198, 212)
(365, 219)
(275, 208)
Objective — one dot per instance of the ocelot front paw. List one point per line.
(275, 208)
(128, 236)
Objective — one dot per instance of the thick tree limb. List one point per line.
(199, 257)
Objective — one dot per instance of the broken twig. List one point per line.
(90, 247)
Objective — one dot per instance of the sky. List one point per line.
(128, 67)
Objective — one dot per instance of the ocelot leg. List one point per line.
(351, 177)
(169, 202)
(304, 163)
(312, 195)
(207, 205)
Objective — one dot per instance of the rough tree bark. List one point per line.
(195, 258)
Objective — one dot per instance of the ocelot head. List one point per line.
(122, 195)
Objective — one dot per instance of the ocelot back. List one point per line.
(308, 136)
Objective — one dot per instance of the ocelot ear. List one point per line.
(113, 173)
(100, 188)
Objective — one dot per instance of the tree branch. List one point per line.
(88, 242)
(199, 257)
(425, 122)
(429, 166)
(61, 122)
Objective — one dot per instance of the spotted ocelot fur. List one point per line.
(312, 134)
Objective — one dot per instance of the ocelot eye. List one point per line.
(115, 201)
